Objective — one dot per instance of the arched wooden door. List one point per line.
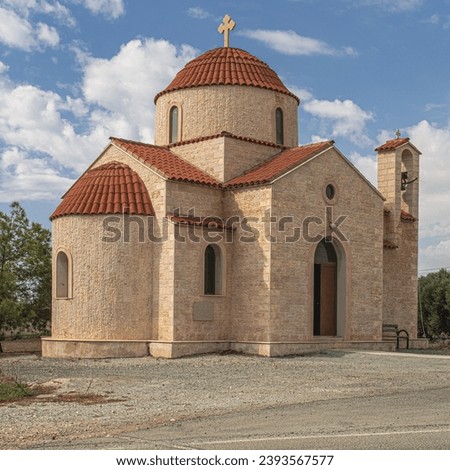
(325, 290)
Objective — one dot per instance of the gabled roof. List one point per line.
(112, 188)
(392, 144)
(165, 163)
(395, 144)
(226, 66)
(279, 164)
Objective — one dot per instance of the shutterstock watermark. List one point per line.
(213, 229)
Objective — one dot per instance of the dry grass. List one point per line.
(11, 389)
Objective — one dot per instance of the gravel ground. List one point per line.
(86, 398)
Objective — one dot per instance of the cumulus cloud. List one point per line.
(47, 35)
(125, 85)
(435, 256)
(26, 8)
(51, 135)
(291, 43)
(366, 164)
(110, 9)
(341, 119)
(17, 29)
(34, 177)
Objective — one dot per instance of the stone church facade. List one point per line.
(227, 235)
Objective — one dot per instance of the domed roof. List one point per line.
(112, 188)
(226, 66)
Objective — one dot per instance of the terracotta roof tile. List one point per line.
(113, 188)
(226, 134)
(226, 66)
(279, 164)
(392, 144)
(407, 217)
(166, 163)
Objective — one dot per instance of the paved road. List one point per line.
(410, 420)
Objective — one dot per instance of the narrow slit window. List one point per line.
(213, 271)
(173, 125)
(279, 126)
(62, 276)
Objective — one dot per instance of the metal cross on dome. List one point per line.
(225, 28)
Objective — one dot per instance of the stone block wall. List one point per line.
(241, 110)
(225, 157)
(401, 280)
(250, 264)
(111, 296)
(292, 264)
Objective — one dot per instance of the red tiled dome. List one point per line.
(113, 188)
(226, 66)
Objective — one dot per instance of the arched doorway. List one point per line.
(326, 302)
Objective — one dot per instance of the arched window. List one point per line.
(173, 124)
(279, 126)
(213, 271)
(62, 276)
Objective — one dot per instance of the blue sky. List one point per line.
(74, 72)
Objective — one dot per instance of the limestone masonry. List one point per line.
(225, 235)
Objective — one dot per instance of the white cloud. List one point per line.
(18, 31)
(302, 93)
(392, 5)
(47, 35)
(341, 119)
(366, 164)
(435, 256)
(291, 43)
(34, 178)
(26, 8)
(125, 85)
(47, 136)
(110, 9)
(198, 13)
(32, 120)
(60, 12)
(3, 67)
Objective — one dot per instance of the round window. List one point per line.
(330, 191)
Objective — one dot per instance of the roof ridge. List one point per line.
(392, 144)
(226, 134)
(323, 145)
(135, 142)
(166, 163)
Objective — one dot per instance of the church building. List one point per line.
(226, 234)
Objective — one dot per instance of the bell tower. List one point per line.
(398, 181)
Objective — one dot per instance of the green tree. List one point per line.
(25, 271)
(434, 299)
